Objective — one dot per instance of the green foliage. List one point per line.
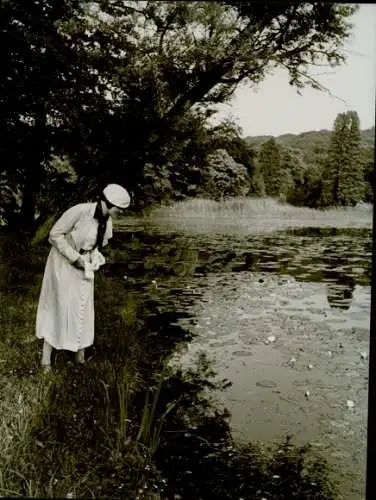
(213, 162)
(343, 177)
(223, 177)
(308, 192)
(257, 185)
(47, 87)
(60, 179)
(157, 184)
(368, 161)
(305, 158)
(270, 166)
(43, 230)
(111, 84)
(226, 136)
(369, 179)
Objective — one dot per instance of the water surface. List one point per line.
(308, 289)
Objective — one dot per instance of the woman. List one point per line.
(65, 315)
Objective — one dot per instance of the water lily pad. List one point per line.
(242, 353)
(268, 384)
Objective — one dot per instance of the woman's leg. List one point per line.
(80, 356)
(46, 356)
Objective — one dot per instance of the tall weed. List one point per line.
(254, 214)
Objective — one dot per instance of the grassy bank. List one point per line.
(253, 214)
(123, 425)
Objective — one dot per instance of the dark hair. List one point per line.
(102, 223)
(108, 203)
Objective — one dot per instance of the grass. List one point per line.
(124, 425)
(255, 214)
(44, 444)
(21, 404)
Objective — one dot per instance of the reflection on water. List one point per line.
(340, 293)
(309, 254)
(339, 258)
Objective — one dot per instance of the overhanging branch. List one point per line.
(315, 83)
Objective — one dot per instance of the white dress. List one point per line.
(65, 315)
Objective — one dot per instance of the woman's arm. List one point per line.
(58, 233)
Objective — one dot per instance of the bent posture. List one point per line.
(65, 315)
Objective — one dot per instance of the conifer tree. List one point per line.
(343, 177)
(270, 167)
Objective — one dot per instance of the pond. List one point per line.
(285, 317)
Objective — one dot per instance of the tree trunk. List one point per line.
(38, 149)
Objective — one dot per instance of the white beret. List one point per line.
(117, 195)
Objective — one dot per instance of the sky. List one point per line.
(275, 108)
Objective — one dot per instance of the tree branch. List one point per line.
(169, 21)
(315, 83)
(130, 10)
(231, 80)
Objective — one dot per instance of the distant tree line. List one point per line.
(338, 171)
(340, 174)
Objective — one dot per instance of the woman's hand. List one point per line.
(79, 263)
